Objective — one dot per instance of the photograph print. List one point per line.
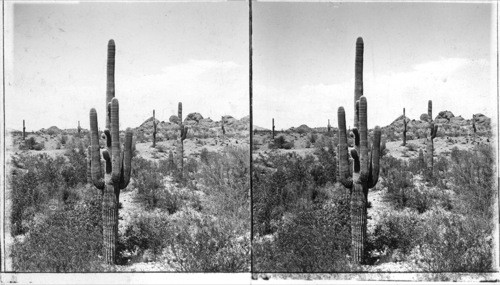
(127, 137)
(374, 138)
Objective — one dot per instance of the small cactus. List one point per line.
(328, 126)
(180, 144)
(222, 126)
(24, 131)
(79, 129)
(272, 132)
(154, 129)
(474, 125)
(404, 127)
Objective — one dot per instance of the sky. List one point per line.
(413, 52)
(55, 60)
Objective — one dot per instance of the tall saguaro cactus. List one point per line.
(364, 175)
(24, 131)
(117, 163)
(474, 126)
(154, 129)
(404, 127)
(180, 144)
(328, 126)
(429, 155)
(358, 76)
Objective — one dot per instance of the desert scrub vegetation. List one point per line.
(201, 226)
(439, 226)
(296, 207)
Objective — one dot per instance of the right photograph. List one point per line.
(374, 144)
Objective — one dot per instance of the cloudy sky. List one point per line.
(196, 53)
(414, 52)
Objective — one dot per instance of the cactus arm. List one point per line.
(89, 165)
(375, 158)
(96, 170)
(434, 131)
(184, 130)
(179, 112)
(355, 158)
(345, 177)
(127, 159)
(356, 136)
(115, 140)
(363, 134)
(429, 109)
(107, 159)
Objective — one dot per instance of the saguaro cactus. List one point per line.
(358, 76)
(180, 144)
(117, 163)
(328, 126)
(154, 129)
(429, 155)
(364, 174)
(272, 132)
(24, 131)
(222, 126)
(404, 127)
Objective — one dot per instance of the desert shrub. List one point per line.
(454, 243)
(399, 185)
(304, 243)
(146, 231)
(203, 244)
(25, 197)
(411, 147)
(296, 179)
(472, 173)
(68, 240)
(224, 178)
(150, 186)
(313, 137)
(281, 143)
(74, 171)
(395, 231)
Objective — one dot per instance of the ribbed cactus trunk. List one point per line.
(358, 75)
(154, 129)
(404, 127)
(24, 131)
(117, 164)
(272, 128)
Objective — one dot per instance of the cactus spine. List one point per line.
(117, 163)
(154, 129)
(358, 76)
(180, 144)
(429, 155)
(364, 175)
(404, 127)
(272, 133)
(24, 131)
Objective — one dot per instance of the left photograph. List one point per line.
(127, 137)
